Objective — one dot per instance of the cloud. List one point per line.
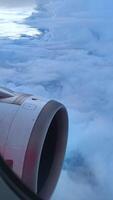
(69, 189)
(72, 62)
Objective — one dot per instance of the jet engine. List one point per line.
(33, 139)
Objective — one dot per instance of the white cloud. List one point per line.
(73, 63)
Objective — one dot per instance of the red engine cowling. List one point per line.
(33, 138)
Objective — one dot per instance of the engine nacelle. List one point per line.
(33, 138)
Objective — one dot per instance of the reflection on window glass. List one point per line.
(6, 192)
(11, 187)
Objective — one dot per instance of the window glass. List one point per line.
(11, 187)
(6, 192)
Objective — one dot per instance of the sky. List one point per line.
(12, 17)
(67, 57)
(16, 3)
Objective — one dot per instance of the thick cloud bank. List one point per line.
(71, 61)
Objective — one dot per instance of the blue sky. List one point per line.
(63, 50)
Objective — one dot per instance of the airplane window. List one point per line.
(11, 186)
(6, 192)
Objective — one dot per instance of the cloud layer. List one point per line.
(72, 62)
